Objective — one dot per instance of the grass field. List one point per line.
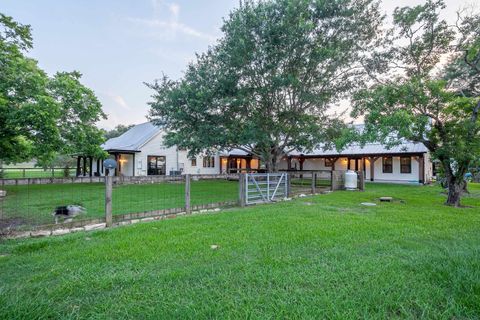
(34, 204)
(320, 257)
(14, 173)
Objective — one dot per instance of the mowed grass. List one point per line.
(33, 204)
(317, 257)
(11, 173)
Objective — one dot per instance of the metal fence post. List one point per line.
(188, 208)
(242, 189)
(108, 200)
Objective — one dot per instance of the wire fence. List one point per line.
(15, 173)
(39, 203)
(305, 182)
(31, 203)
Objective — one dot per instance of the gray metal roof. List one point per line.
(368, 149)
(133, 139)
(354, 149)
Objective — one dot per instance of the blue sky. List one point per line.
(119, 45)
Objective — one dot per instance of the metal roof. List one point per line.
(354, 149)
(133, 139)
(368, 149)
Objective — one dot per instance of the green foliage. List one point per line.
(419, 98)
(266, 86)
(41, 116)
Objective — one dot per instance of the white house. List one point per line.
(140, 151)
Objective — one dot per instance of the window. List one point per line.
(405, 165)
(194, 162)
(156, 165)
(387, 164)
(208, 162)
(328, 162)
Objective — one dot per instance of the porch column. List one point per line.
(301, 160)
(289, 163)
(84, 165)
(90, 166)
(118, 164)
(348, 163)
(249, 163)
(333, 160)
(134, 164)
(421, 169)
(98, 167)
(372, 168)
(78, 166)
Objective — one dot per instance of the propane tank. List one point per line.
(350, 180)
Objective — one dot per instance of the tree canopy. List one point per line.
(41, 116)
(267, 84)
(426, 89)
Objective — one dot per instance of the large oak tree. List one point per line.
(267, 84)
(42, 116)
(426, 89)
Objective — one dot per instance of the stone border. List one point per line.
(98, 226)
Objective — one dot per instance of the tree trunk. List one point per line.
(456, 183)
(272, 161)
(455, 191)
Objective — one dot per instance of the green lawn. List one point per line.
(34, 204)
(11, 173)
(320, 257)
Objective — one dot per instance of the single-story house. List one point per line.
(140, 151)
(405, 163)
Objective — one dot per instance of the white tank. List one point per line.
(350, 180)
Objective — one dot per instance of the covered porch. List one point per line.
(89, 166)
(388, 167)
(239, 164)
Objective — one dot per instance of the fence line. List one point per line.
(12, 173)
(30, 202)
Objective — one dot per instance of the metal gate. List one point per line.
(265, 187)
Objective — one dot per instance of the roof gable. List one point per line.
(133, 139)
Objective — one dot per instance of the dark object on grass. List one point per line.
(386, 199)
(67, 212)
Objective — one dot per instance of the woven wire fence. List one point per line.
(29, 204)
(26, 204)
(209, 191)
(305, 182)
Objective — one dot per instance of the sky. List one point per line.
(120, 45)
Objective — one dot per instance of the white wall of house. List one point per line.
(396, 175)
(379, 175)
(175, 160)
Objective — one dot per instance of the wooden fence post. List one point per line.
(108, 200)
(242, 190)
(361, 181)
(332, 180)
(188, 208)
(314, 182)
(289, 184)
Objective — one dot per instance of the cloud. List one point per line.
(165, 22)
(119, 100)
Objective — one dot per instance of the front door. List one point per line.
(156, 165)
